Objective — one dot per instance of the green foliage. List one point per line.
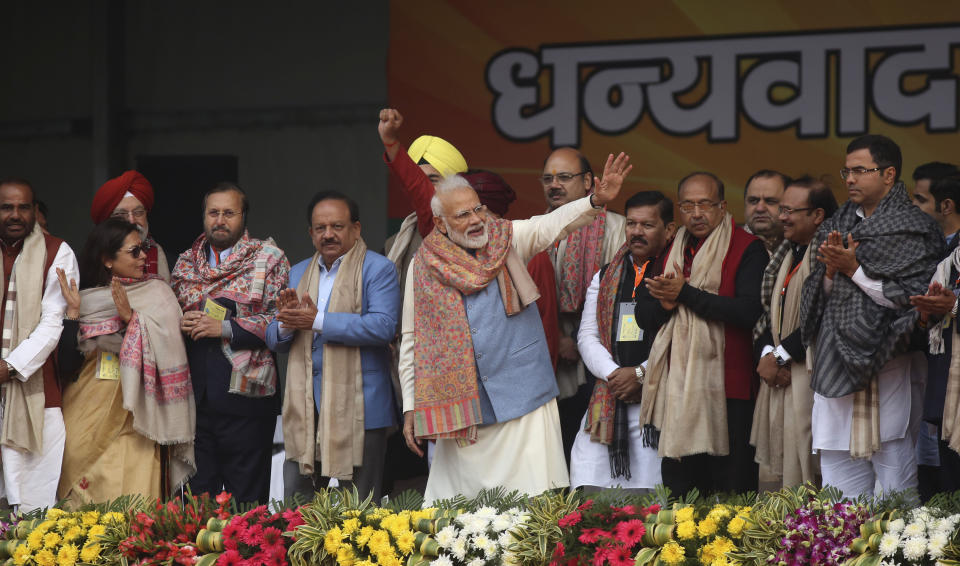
(325, 511)
(498, 498)
(408, 500)
(949, 502)
(539, 536)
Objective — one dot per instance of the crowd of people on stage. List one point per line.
(582, 347)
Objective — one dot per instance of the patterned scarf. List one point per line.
(252, 276)
(606, 415)
(447, 397)
(951, 405)
(154, 373)
(582, 258)
(769, 283)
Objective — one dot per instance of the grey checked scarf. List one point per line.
(766, 287)
(855, 336)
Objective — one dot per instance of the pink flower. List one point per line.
(229, 558)
(620, 556)
(253, 536)
(571, 519)
(600, 556)
(223, 498)
(629, 532)
(271, 535)
(592, 535)
(585, 505)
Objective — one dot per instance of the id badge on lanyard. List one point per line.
(627, 328)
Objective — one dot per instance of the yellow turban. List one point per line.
(438, 152)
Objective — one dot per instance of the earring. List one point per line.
(109, 266)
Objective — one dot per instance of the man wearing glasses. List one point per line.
(700, 385)
(781, 420)
(228, 285)
(474, 365)
(130, 197)
(566, 177)
(876, 252)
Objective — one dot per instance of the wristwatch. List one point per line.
(11, 371)
(780, 361)
(641, 374)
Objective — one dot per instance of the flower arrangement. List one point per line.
(481, 538)
(165, 533)
(373, 536)
(819, 533)
(65, 539)
(705, 535)
(256, 538)
(595, 535)
(925, 537)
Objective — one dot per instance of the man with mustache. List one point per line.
(924, 177)
(228, 284)
(876, 252)
(781, 420)
(566, 177)
(761, 197)
(620, 320)
(336, 320)
(130, 197)
(474, 365)
(700, 385)
(32, 433)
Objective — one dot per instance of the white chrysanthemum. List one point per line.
(486, 512)
(935, 545)
(476, 562)
(889, 544)
(914, 548)
(442, 560)
(474, 524)
(510, 559)
(480, 541)
(505, 539)
(446, 536)
(895, 526)
(914, 529)
(501, 523)
(459, 547)
(922, 515)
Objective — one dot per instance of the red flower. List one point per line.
(620, 556)
(585, 505)
(559, 551)
(253, 536)
(655, 508)
(229, 558)
(592, 535)
(571, 519)
(294, 518)
(629, 532)
(271, 535)
(626, 510)
(600, 556)
(223, 498)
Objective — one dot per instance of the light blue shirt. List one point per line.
(226, 330)
(324, 288)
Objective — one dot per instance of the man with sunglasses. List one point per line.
(781, 420)
(566, 177)
(876, 252)
(32, 434)
(130, 197)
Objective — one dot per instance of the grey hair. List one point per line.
(447, 185)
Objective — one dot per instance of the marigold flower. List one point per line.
(672, 553)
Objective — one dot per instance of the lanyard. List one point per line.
(786, 282)
(638, 276)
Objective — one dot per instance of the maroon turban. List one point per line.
(493, 191)
(111, 193)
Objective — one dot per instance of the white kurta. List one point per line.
(590, 461)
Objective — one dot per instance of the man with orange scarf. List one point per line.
(474, 366)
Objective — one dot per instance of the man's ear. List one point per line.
(671, 230)
(438, 222)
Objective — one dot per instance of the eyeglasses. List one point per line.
(562, 178)
(786, 210)
(704, 206)
(122, 214)
(857, 171)
(480, 210)
(135, 251)
(214, 214)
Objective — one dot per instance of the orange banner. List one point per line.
(680, 86)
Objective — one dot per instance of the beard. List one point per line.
(223, 239)
(465, 241)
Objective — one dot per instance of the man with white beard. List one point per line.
(474, 366)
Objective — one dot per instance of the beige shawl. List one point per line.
(337, 439)
(781, 420)
(951, 406)
(684, 395)
(23, 401)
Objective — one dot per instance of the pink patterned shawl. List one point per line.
(252, 276)
(582, 258)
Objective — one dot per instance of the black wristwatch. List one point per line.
(780, 361)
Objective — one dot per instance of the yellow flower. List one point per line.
(90, 518)
(364, 536)
(672, 553)
(68, 555)
(379, 542)
(345, 556)
(90, 553)
(66, 523)
(21, 554)
(350, 526)
(684, 514)
(706, 527)
(35, 540)
(735, 526)
(73, 534)
(332, 540)
(46, 525)
(405, 542)
(423, 514)
(719, 512)
(96, 531)
(51, 540)
(113, 517)
(45, 558)
(686, 530)
(56, 513)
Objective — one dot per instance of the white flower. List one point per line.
(459, 547)
(914, 529)
(501, 523)
(914, 548)
(473, 524)
(442, 560)
(486, 512)
(510, 559)
(446, 536)
(506, 539)
(895, 526)
(476, 562)
(888, 545)
(936, 544)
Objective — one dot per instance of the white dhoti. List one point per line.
(590, 461)
(524, 454)
(30, 480)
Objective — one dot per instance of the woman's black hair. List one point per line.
(104, 242)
